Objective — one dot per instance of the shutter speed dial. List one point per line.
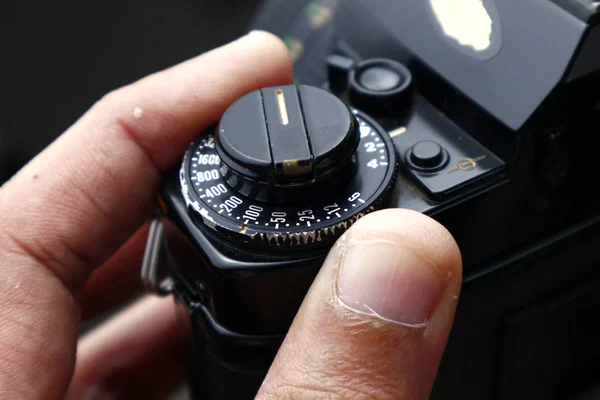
(287, 136)
(287, 167)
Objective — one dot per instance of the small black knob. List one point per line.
(284, 134)
(380, 87)
(428, 156)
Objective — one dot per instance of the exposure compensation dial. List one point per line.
(287, 167)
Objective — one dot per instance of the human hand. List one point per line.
(80, 206)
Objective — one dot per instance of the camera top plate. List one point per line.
(498, 62)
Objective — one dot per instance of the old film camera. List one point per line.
(485, 123)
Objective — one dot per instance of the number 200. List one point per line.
(231, 203)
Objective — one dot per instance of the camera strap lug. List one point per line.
(153, 260)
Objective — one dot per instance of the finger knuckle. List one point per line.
(58, 257)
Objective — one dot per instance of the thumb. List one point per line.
(376, 320)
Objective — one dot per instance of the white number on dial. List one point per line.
(373, 163)
(231, 203)
(370, 147)
(355, 196)
(208, 159)
(207, 175)
(306, 215)
(278, 217)
(253, 212)
(332, 208)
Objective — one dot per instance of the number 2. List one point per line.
(370, 147)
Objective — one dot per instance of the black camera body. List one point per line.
(490, 122)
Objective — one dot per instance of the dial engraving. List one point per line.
(235, 216)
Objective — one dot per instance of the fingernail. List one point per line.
(389, 280)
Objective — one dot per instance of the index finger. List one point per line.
(74, 204)
(78, 200)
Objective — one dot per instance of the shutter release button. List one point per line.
(380, 79)
(380, 87)
(427, 156)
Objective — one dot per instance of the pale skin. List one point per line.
(72, 235)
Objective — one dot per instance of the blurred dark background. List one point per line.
(58, 58)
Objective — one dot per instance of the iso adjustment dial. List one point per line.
(287, 167)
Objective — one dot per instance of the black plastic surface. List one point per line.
(290, 148)
(338, 69)
(467, 160)
(332, 130)
(533, 365)
(589, 57)
(286, 134)
(586, 10)
(243, 134)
